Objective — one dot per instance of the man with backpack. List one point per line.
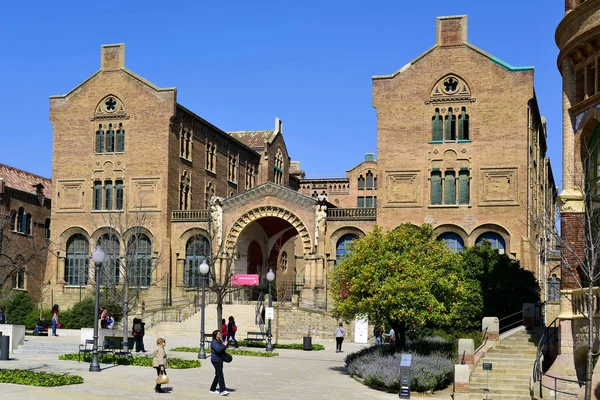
(138, 334)
(231, 330)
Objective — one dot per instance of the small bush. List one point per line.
(140, 361)
(80, 315)
(290, 346)
(233, 352)
(380, 366)
(432, 345)
(32, 378)
(18, 307)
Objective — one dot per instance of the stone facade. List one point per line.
(24, 229)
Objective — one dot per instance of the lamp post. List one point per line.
(98, 257)
(203, 268)
(270, 278)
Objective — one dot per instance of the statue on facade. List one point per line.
(216, 217)
(320, 217)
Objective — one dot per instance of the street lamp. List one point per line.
(98, 257)
(203, 268)
(270, 278)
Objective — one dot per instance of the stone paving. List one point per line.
(294, 374)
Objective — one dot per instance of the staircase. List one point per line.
(244, 319)
(45, 345)
(512, 364)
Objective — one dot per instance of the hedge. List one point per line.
(289, 346)
(33, 378)
(233, 352)
(140, 361)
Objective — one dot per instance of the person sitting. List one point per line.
(110, 322)
(40, 326)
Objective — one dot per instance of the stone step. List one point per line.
(503, 370)
(504, 356)
(500, 379)
(47, 347)
(498, 396)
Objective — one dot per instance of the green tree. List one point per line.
(405, 276)
(505, 286)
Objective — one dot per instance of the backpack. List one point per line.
(137, 327)
(234, 328)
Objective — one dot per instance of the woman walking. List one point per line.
(160, 361)
(54, 319)
(231, 330)
(217, 348)
(339, 337)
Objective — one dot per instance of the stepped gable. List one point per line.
(24, 181)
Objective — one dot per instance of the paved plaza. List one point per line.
(294, 374)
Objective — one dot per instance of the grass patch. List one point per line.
(289, 346)
(139, 361)
(33, 378)
(233, 352)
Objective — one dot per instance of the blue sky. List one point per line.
(240, 64)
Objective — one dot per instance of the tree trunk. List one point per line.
(219, 310)
(400, 332)
(590, 366)
(126, 318)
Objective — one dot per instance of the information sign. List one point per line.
(269, 313)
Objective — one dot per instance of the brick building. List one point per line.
(459, 166)
(578, 39)
(24, 229)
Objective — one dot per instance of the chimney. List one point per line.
(113, 57)
(369, 156)
(278, 126)
(451, 31)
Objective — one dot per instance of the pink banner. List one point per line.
(245, 280)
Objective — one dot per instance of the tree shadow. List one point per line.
(342, 370)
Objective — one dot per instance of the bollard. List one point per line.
(4, 347)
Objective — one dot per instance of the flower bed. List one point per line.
(140, 361)
(233, 352)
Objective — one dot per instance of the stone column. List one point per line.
(466, 351)
(493, 328)
(568, 168)
(60, 273)
(461, 382)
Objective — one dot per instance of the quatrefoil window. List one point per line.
(450, 85)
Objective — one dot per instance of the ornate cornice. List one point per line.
(269, 189)
(571, 201)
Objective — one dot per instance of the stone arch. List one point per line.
(98, 233)
(491, 228)
(438, 230)
(139, 229)
(187, 235)
(338, 233)
(584, 133)
(462, 87)
(110, 104)
(268, 211)
(67, 233)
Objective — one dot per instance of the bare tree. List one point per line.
(23, 252)
(127, 273)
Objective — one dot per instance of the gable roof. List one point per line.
(24, 181)
(254, 139)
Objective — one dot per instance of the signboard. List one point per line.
(361, 330)
(405, 360)
(269, 313)
(487, 366)
(245, 280)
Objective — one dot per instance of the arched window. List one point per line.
(453, 241)
(450, 125)
(108, 200)
(341, 248)
(361, 182)
(283, 262)
(120, 139)
(315, 194)
(209, 192)
(436, 187)
(21, 220)
(197, 249)
(111, 268)
(369, 180)
(13, 221)
(495, 240)
(553, 288)
(110, 139)
(97, 195)
(278, 173)
(436, 126)
(463, 125)
(18, 279)
(28, 224)
(100, 139)
(464, 187)
(140, 269)
(593, 164)
(77, 261)
(450, 188)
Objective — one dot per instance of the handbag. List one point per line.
(162, 378)
(227, 357)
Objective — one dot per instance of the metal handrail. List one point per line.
(514, 323)
(462, 361)
(538, 374)
(483, 341)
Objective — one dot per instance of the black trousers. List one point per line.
(157, 386)
(219, 378)
(139, 343)
(338, 343)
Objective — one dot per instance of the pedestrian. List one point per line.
(217, 349)
(391, 335)
(2, 317)
(231, 330)
(54, 319)
(377, 333)
(159, 362)
(339, 337)
(138, 333)
(224, 331)
(39, 326)
(103, 318)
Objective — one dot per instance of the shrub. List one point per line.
(289, 346)
(140, 361)
(432, 345)
(32, 378)
(80, 315)
(233, 352)
(18, 306)
(380, 366)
